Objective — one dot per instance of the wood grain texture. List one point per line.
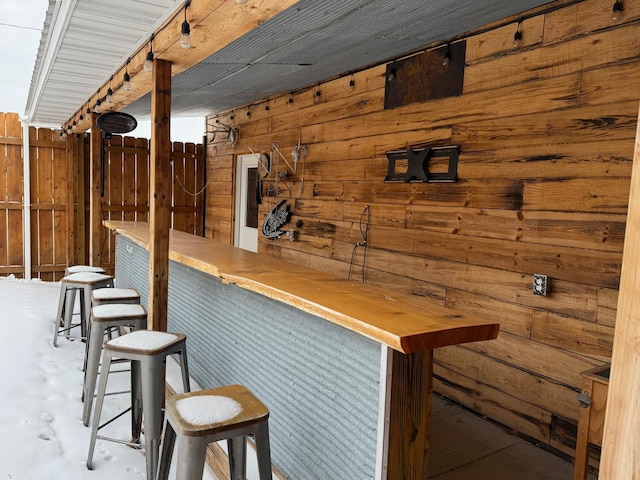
(621, 444)
(159, 196)
(381, 315)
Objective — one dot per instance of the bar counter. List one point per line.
(344, 367)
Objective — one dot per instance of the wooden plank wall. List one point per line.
(546, 134)
(57, 174)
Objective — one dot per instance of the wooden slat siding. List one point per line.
(95, 200)
(177, 192)
(513, 381)
(192, 186)
(546, 135)
(4, 239)
(44, 195)
(142, 178)
(60, 196)
(128, 179)
(14, 191)
(613, 45)
(201, 183)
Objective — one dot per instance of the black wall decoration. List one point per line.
(424, 76)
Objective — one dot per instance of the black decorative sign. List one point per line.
(278, 216)
(417, 162)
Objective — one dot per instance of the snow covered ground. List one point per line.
(41, 431)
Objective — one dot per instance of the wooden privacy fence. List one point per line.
(59, 201)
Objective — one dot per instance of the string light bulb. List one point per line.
(185, 37)
(98, 108)
(81, 120)
(617, 8)
(241, 2)
(316, 97)
(126, 79)
(109, 97)
(290, 101)
(74, 126)
(517, 37)
(352, 84)
(447, 56)
(148, 63)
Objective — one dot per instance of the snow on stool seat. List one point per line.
(84, 282)
(199, 418)
(83, 268)
(147, 351)
(114, 295)
(104, 318)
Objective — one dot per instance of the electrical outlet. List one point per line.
(540, 284)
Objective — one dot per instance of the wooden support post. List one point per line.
(621, 442)
(159, 195)
(95, 200)
(80, 255)
(405, 423)
(74, 144)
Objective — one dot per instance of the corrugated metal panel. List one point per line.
(320, 381)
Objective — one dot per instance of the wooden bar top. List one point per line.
(388, 317)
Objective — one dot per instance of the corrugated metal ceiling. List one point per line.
(311, 41)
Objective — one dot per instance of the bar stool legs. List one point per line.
(236, 413)
(84, 282)
(147, 351)
(103, 318)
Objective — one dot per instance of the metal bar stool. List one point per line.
(104, 318)
(114, 295)
(83, 268)
(199, 418)
(147, 351)
(84, 282)
(103, 296)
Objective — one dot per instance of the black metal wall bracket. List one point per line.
(418, 165)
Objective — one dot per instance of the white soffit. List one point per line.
(82, 43)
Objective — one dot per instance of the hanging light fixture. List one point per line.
(447, 56)
(126, 79)
(185, 38)
(517, 37)
(617, 8)
(81, 120)
(74, 126)
(109, 97)
(352, 83)
(148, 63)
(316, 97)
(98, 108)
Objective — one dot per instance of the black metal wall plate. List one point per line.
(418, 165)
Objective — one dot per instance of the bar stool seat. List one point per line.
(83, 268)
(199, 418)
(114, 295)
(147, 351)
(103, 318)
(84, 282)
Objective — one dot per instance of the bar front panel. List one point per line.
(320, 381)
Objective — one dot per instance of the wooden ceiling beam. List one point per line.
(214, 25)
